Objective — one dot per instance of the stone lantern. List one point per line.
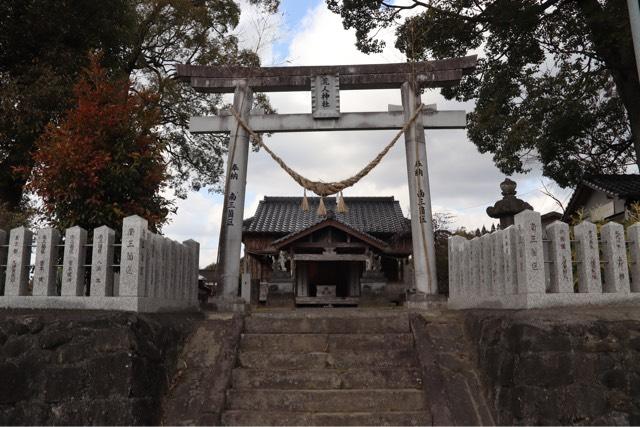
(509, 206)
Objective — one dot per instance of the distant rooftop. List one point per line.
(615, 185)
(623, 186)
(366, 214)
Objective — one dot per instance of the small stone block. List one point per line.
(245, 288)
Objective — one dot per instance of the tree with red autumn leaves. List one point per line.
(104, 161)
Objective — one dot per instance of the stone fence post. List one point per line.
(588, 258)
(530, 253)
(133, 257)
(18, 261)
(614, 252)
(44, 275)
(560, 254)
(102, 261)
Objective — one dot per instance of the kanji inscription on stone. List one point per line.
(325, 96)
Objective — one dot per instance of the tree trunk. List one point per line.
(611, 36)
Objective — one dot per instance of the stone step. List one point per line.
(270, 418)
(339, 359)
(322, 322)
(305, 343)
(327, 379)
(326, 400)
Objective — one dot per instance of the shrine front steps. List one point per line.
(342, 368)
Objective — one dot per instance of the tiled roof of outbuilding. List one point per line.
(366, 214)
(615, 185)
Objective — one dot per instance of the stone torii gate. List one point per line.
(325, 83)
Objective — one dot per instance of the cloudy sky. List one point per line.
(463, 182)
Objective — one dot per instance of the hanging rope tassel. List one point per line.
(322, 210)
(342, 206)
(305, 202)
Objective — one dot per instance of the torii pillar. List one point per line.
(233, 209)
(424, 257)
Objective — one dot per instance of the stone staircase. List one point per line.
(327, 367)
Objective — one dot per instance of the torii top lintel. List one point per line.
(223, 79)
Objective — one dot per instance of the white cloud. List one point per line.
(463, 181)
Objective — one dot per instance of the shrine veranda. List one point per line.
(325, 84)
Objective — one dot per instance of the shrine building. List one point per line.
(338, 258)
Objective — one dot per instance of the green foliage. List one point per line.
(557, 82)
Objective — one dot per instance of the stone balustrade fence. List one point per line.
(146, 272)
(526, 266)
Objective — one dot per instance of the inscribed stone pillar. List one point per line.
(3, 258)
(194, 268)
(451, 263)
(148, 265)
(133, 257)
(156, 265)
(44, 275)
(101, 262)
(497, 256)
(455, 248)
(560, 254)
(164, 275)
(614, 253)
(424, 260)
(177, 265)
(75, 241)
(633, 236)
(171, 270)
(476, 276)
(184, 269)
(18, 261)
(466, 267)
(235, 186)
(509, 250)
(531, 258)
(588, 258)
(486, 290)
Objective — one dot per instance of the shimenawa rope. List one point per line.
(323, 189)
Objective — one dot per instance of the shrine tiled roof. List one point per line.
(365, 214)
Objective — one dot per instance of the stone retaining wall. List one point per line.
(554, 367)
(78, 368)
